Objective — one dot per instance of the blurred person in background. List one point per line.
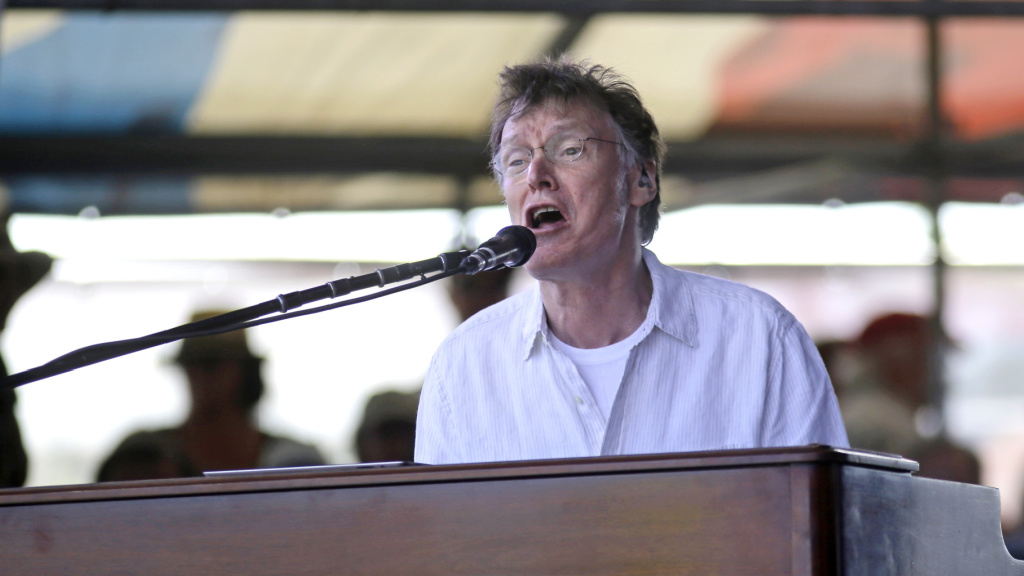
(885, 404)
(221, 431)
(387, 430)
(839, 362)
(1013, 536)
(471, 293)
(19, 271)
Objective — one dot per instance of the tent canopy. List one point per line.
(232, 106)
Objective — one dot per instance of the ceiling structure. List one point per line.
(160, 106)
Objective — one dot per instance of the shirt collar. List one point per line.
(671, 308)
(535, 325)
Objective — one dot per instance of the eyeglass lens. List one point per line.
(515, 160)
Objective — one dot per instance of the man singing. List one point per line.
(612, 352)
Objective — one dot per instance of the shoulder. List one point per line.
(164, 441)
(164, 437)
(487, 344)
(506, 318)
(729, 291)
(715, 296)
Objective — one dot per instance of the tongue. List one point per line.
(547, 218)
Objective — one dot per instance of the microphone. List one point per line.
(512, 246)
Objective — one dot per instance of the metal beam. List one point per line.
(463, 158)
(567, 37)
(185, 155)
(959, 8)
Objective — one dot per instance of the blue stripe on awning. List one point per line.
(109, 73)
(111, 196)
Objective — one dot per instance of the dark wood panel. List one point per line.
(653, 523)
(325, 477)
(807, 511)
(898, 524)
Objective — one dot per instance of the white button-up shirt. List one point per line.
(718, 366)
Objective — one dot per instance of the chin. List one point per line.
(537, 267)
(544, 266)
(534, 270)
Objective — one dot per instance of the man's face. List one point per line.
(581, 212)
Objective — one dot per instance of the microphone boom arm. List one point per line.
(448, 263)
(511, 247)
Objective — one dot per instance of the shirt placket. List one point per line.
(589, 417)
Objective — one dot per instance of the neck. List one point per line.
(599, 310)
(221, 418)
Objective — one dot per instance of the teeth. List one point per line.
(540, 211)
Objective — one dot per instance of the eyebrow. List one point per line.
(558, 128)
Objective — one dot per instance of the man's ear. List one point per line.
(645, 180)
(645, 187)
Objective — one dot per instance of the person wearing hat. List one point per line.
(220, 431)
(887, 401)
(19, 271)
(387, 431)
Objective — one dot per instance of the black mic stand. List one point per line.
(448, 264)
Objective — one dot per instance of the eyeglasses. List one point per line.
(514, 160)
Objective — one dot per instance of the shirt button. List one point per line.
(579, 400)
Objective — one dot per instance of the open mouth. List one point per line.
(545, 215)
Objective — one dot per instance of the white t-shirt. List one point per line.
(601, 368)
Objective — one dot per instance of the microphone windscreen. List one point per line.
(522, 240)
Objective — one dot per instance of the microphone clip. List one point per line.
(512, 246)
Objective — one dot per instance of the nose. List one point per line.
(540, 172)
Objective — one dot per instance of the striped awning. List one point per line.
(178, 112)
